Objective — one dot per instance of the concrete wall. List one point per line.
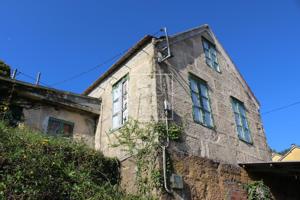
(222, 142)
(84, 125)
(141, 98)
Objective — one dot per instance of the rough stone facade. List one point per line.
(151, 82)
(221, 142)
(207, 179)
(141, 97)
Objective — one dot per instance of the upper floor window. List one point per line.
(211, 55)
(201, 104)
(120, 103)
(241, 121)
(60, 127)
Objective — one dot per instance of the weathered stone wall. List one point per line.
(84, 125)
(141, 98)
(207, 179)
(220, 143)
(149, 86)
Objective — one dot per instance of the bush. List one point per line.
(36, 166)
(257, 190)
(4, 69)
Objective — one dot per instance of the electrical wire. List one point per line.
(97, 66)
(281, 108)
(89, 70)
(32, 78)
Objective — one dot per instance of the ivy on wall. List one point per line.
(142, 141)
(257, 190)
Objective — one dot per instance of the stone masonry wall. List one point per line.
(220, 143)
(206, 179)
(141, 98)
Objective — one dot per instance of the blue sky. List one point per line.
(61, 38)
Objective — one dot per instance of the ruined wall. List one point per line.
(207, 179)
(222, 142)
(84, 125)
(141, 98)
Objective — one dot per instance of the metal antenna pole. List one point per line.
(38, 78)
(167, 47)
(14, 74)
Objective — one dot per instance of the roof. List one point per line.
(52, 96)
(133, 50)
(290, 169)
(289, 156)
(276, 156)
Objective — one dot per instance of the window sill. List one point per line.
(113, 130)
(220, 72)
(243, 140)
(204, 125)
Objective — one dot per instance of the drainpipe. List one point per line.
(164, 146)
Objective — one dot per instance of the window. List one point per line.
(211, 55)
(201, 104)
(241, 121)
(120, 103)
(60, 127)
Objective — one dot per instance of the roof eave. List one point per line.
(133, 50)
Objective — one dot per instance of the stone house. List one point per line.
(204, 88)
(206, 94)
(191, 74)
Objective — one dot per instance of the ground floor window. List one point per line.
(60, 127)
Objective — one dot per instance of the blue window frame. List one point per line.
(211, 54)
(60, 127)
(201, 104)
(241, 121)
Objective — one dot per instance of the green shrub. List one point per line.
(4, 69)
(257, 190)
(36, 166)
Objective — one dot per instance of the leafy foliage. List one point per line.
(257, 190)
(4, 69)
(142, 141)
(35, 166)
(174, 131)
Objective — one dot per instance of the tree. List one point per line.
(4, 69)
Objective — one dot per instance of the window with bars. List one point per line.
(120, 103)
(241, 121)
(60, 127)
(211, 54)
(201, 104)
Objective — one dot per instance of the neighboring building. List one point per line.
(208, 96)
(276, 157)
(55, 112)
(292, 155)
